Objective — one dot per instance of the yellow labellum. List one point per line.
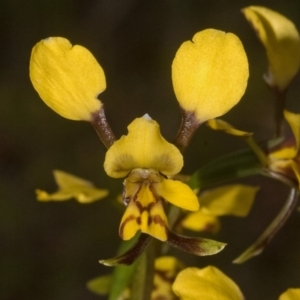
(208, 283)
(67, 78)
(282, 42)
(210, 73)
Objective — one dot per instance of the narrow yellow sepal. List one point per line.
(210, 73)
(218, 124)
(290, 294)
(143, 147)
(67, 78)
(70, 187)
(208, 283)
(282, 42)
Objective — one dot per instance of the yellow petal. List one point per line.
(218, 124)
(68, 79)
(208, 283)
(177, 193)
(284, 153)
(166, 269)
(290, 294)
(143, 147)
(71, 186)
(210, 73)
(169, 265)
(201, 221)
(282, 42)
(294, 122)
(144, 213)
(233, 200)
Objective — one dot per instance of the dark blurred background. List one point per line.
(50, 250)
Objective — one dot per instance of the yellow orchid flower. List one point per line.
(67, 78)
(290, 294)
(146, 158)
(210, 73)
(208, 283)
(235, 200)
(70, 187)
(282, 42)
(286, 159)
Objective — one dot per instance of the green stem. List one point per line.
(261, 155)
(142, 282)
(260, 244)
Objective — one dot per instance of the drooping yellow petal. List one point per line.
(144, 212)
(282, 42)
(218, 124)
(210, 73)
(177, 193)
(201, 221)
(233, 200)
(71, 186)
(68, 79)
(208, 283)
(290, 294)
(143, 147)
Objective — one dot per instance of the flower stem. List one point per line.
(142, 282)
(260, 244)
(99, 122)
(188, 127)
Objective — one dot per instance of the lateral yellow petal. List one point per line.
(208, 283)
(177, 193)
(210, 73)
(290, 294)
(282, 42)
(143, 147)
(144, 213)
(235, 200)
(68, 79)
(200, 221)
(71, 186)
(218, 124)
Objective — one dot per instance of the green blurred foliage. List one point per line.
(50, 250)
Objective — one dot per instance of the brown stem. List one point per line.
(189, 125)
(279, 108)
(99, 122)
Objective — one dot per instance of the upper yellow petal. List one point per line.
(219, 124)
(282, 42)
(143, 147)
(290, 294)
(68, 79)
(210, 73)
(177, 193)
(208, 283)
(71, 186)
